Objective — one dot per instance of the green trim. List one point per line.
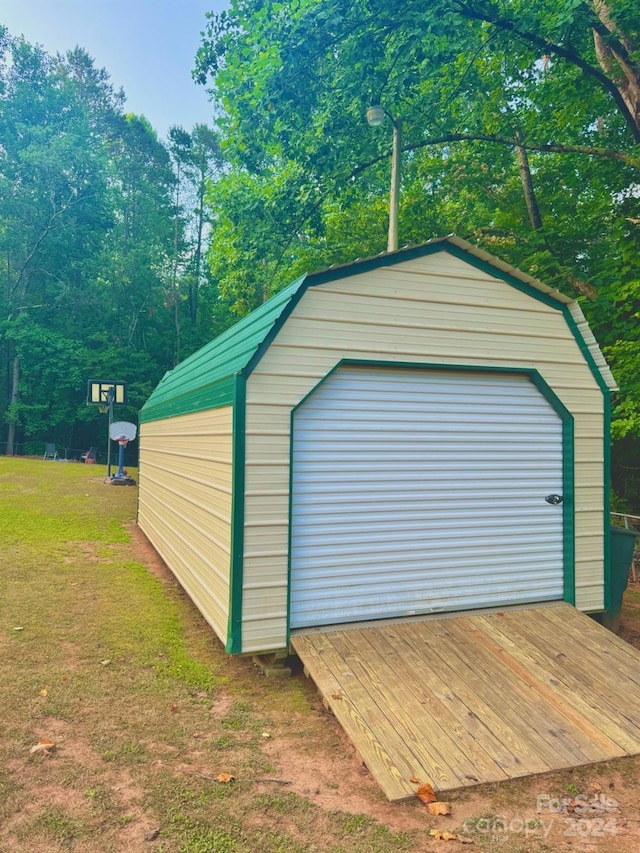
(607, 499)
(606, 450)
(387, 260)
(236, 570)
(213, 396)
(568, 454)
(568, 509)
(290, 525)
(275, 328)
(496, 272)
(206, 379)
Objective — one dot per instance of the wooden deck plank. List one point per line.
(582, 683)
(473, 737)
(425, 763)
(438, 756)
(471, 698)
(372, 690)
(614, 653)
(371, 735)
(458, 677)
(557, 687)
(541, 728)
(621, 674)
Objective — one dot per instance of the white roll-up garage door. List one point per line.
(418, 491)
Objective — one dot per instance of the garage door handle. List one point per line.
(554, 499)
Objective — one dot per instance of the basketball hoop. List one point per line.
(122, 432)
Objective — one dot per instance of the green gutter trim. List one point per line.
(568, 454)
(236, 573)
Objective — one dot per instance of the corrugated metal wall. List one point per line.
(438, 310)
(418, 491)
(185, 504)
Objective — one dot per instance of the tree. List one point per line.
(521, 127)
(196, 159)
(293, 82)
(85, 241)
(51, 200)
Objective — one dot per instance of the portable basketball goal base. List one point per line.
(105, 393)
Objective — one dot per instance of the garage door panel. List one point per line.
(419, 490)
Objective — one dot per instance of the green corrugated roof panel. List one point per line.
(206, 379)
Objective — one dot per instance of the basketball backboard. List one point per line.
(98, 392)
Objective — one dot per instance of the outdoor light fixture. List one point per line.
(376, 115)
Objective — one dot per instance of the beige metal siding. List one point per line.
(439, 310)
(185, 504)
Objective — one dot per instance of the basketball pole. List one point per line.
(111, 393)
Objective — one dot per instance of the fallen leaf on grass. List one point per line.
(225, 778)
(439, 835)
(43, 745)
(106, 662)
(266, 735)
(439, 808)
(18, 628)
(426, 793)
(43, 693)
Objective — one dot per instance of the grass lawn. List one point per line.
(103, 655)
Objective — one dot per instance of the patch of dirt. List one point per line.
(221, 706)
(73, 781)
(146, 554)
(321, 764)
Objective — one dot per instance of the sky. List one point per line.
(147, 46)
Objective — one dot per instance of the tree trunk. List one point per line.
(195, 285)
(527, 187)
(615, 52)
(11, 436)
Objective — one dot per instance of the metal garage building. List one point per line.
(420, 432)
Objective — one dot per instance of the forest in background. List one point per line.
(103, 237)
(122, 254)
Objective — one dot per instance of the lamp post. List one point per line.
(375, 117)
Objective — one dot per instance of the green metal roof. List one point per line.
(207, 378)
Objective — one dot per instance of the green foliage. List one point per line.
(474, 85)
(90, 233)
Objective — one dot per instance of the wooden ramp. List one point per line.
(478, 698)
